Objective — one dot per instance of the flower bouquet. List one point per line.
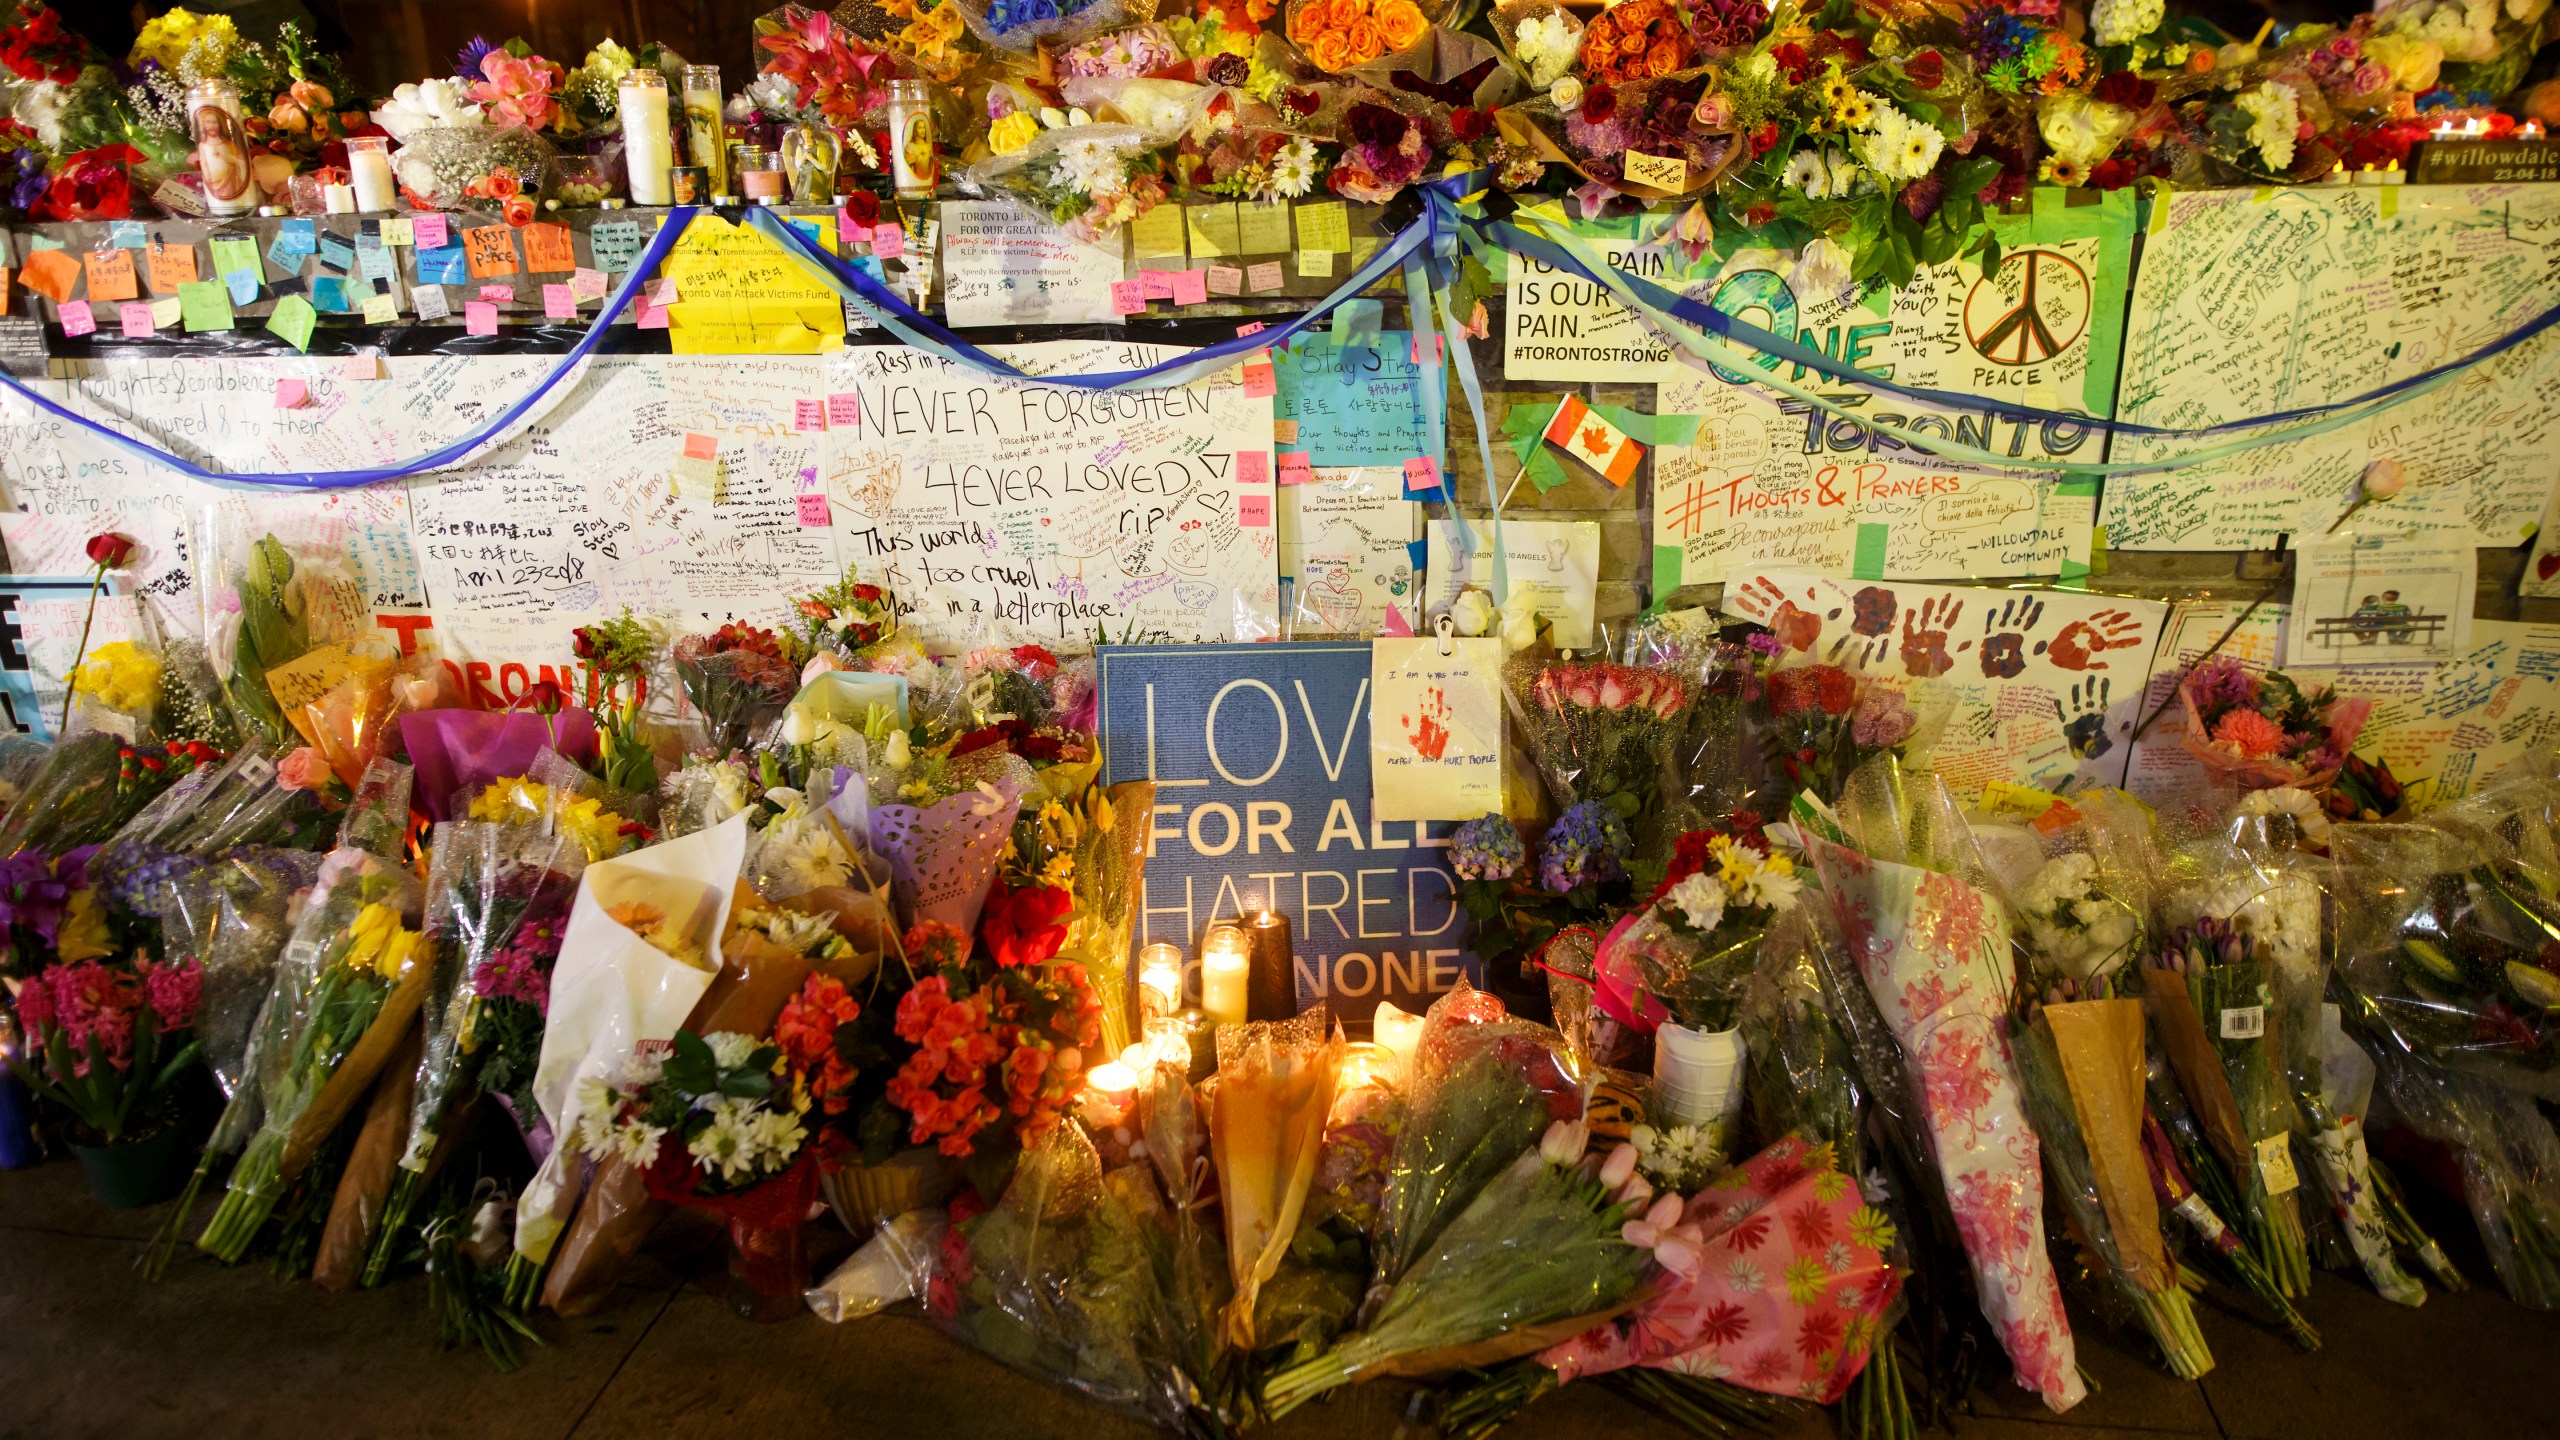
(1823, 723)
(232, 917)
(2260, 731)
(2177, 1157)
(845, 620)
(738, 677)
(109, 1043)
(1091, 178)
(460, 753)
(2362, 1195)
(1932, 949)
(619, 655)
(48, 913)
(1275, 1088)
(1600, 731)
(89, 787)
(2508, 1163)
(1000, 1028)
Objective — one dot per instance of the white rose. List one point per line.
(1566, 93)
(1472, 612)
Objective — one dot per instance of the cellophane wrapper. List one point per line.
(234, 916)
(1787, 1292)
(2252, 872)
(2451, 950)
(1933, 950)
(1711, 765)
(767, 1221)
(2346, 721)
(1484, 1088)
(69, 799)
(458, 752)
(1275, 1087)
(943, 855)
(1599, 730)
(2079, 887)
(2509, 1160)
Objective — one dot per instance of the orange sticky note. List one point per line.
(547, 247)
(50, 273)
(111, 275)
(171, 267)
(492, 249)
(701, 447)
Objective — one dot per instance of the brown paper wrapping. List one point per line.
(357, 1207)
(757, 977)
(356, 1073)
(2100, 1042)
(2199, 1066)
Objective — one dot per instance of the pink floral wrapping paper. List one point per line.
(1782, 1289)
(1935, 954)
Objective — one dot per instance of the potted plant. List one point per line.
(109, 1043)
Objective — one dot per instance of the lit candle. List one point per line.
(1364, 1065)
(1108, 1090)
(369, 164)
(339, 199)
(1160, 979)
(1398, 1033)
(1273, 994)
(705, 140)
(762, 181)
(648, 148)
(1226, 974)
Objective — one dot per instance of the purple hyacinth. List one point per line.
(1487, 848)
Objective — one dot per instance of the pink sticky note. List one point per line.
(1296, 468)
(661, 293)
(813, 512)
(1253, 467)
(428, 231)
(137, 320)
(1250, 327)
(292, 394)
(1128, 297)
(888, 242)
(1156, 284)
(363, 365)
(845, 409)
(78, 318)
(1253, 511)
(1190, 287)
(808, 415)
(587, 284)
(480, 317)
(1265, 276)
(698, 446)
(848, 228)
(651, 317)
(1437, 346)
(1395, 624)
(497, 294)
(1421, 473)
(1225, 280)
(1259, 381)
(559, 303)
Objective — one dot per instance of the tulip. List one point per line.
(1615, 1170)
(1564, 1141)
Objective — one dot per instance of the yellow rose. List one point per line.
(1012, 133)
(1401, 22)
(1367, 43)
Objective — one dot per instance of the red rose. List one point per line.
(1030, 655)
(1468, 123)
(543, 697)
(864, 207)
(2111, 174)
(2127, 89)
(1022, 926)
(1599, 105)
(1925, 70)
(1791, 59)
(107, 549)
(1761, 141)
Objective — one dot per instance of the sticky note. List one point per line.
(889, 242)
(1439, 346)
(296, 237)
(492, 249)
(205, 306)
(587, 284)
(171, 267)
(292, 394)
(50, 273)
(428, 231)
(547, 247)
(243, 287)
(1253, 467)
(807, 415)
(128, 234)
(698, 446)
(480, 317)
(382, 310)
(648, 316)
(1156, 284)
(814, 514)
(431, 302)
(165, 313)
(1253, 511)
(1297, 468)
(616, 243)
(558, 303)
(845, 409)
(329, 293)
(1421, 473)
(1211, 228)
(397, 230)
(42, 242)
(362, 365)
(1285, 431)
(1662, 172)
(78, 319)
(1316, 263)
(1128, 297)
(442, 265)
(136, 319)
(1262, 229)
(293, 319)
(498, 294)
(849, 228)
(1265, 276)
(111, 275)
(235, 255)
(1157, 232)
(1260, 381)
(1190, 287)
(660, 292)
(338, 255)
(1250, 327)
(373, 261)
(1324, 225)
(697, 478)
(1224, 279)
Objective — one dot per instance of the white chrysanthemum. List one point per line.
(1095, 167)
(1547, 44)
(1804, 172)
(595, 1102)
(726, 1146)
(427, 105)
(2121, 22)
(1761, 66)
(41, 108)
(1700, 899)
(1293, 170)
(1822, 270)
(637, 1144)
(1845, 173)
(2274, 118)
(2294, 801)
(729, 1048)
(1899, 147)
(1772, 889)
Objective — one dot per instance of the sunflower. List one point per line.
(2062, 170)
(1837, 91)
(1857, 112)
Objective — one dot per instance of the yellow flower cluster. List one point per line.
(119, 675)
(583, 818)
(377, 941)
(167, 38)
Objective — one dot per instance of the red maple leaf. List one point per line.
(1595, 439)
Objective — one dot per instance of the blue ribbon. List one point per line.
(452, 454)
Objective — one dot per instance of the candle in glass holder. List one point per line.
(1110, 1088)
(1398, 1033)
(648, 144)
(1159, 979)
(1273, 994)
(706, 140)
(369, 166)
(1226, 973)
(339, 199)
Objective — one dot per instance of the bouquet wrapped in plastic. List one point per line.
(233, 917)
(1823, 723)
(1275, 1088)
(1933, 950)
(943, 853)
(738, 677)
(459, 753)
(2363, 1195)
(264, 609)
(1601, 731)
(2508, 1162)
(2261, 731)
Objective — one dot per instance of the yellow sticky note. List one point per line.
(1156, 233)
(298, 682)
(1318, 263)
(165, 313)
(1212, 229)
(381, 310)
(1262, 229)
(396, 230)
(1325, 225)
(1662, 172)
(739, 294)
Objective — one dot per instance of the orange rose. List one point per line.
(1305, 22)
(1331, 52)
(1368, 42)
(1663, 59)
(1402, 23)
(1347, 13)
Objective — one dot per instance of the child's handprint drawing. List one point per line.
(2083, 641)
(1796, 628)
(1428, 733)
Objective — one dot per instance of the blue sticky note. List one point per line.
(43, 242)
(616, 244)
(373, 259)
(870, 265)
(805, 227)
(297, 237)
(288, 261)
(1355, 404)
(244, 287)
(129, 235)
(1419, 552)
(445, 266)
(337, 255)
(328, 292)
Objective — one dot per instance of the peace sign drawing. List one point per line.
(2030, 309)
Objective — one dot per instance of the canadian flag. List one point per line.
(1591, 439)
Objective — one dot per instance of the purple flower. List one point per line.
(1487, 848)
(1883, 719)
(2223, 682)
(1761, 642)
(471, 55)
(1586, 846)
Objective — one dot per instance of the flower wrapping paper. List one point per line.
(1786, 1294)
(1934, 952)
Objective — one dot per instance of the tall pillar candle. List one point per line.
(705, 138)
(369, 167)
(648, 151)
(1273, 992)
(1226, 972)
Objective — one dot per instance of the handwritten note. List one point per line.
(1002, 267)
(744, 296)
(1356, 403)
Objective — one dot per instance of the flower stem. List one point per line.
(97, 575)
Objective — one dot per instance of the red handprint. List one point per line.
(1924, 636)
(1429, 736)
(2083, 641)
(1760, 599)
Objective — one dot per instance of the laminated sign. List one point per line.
(1435, 727)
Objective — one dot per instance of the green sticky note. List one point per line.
(1868, 562)
(293, 319)
(1666, 573)
(204, 306)
(43, 242)
(234, 255)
